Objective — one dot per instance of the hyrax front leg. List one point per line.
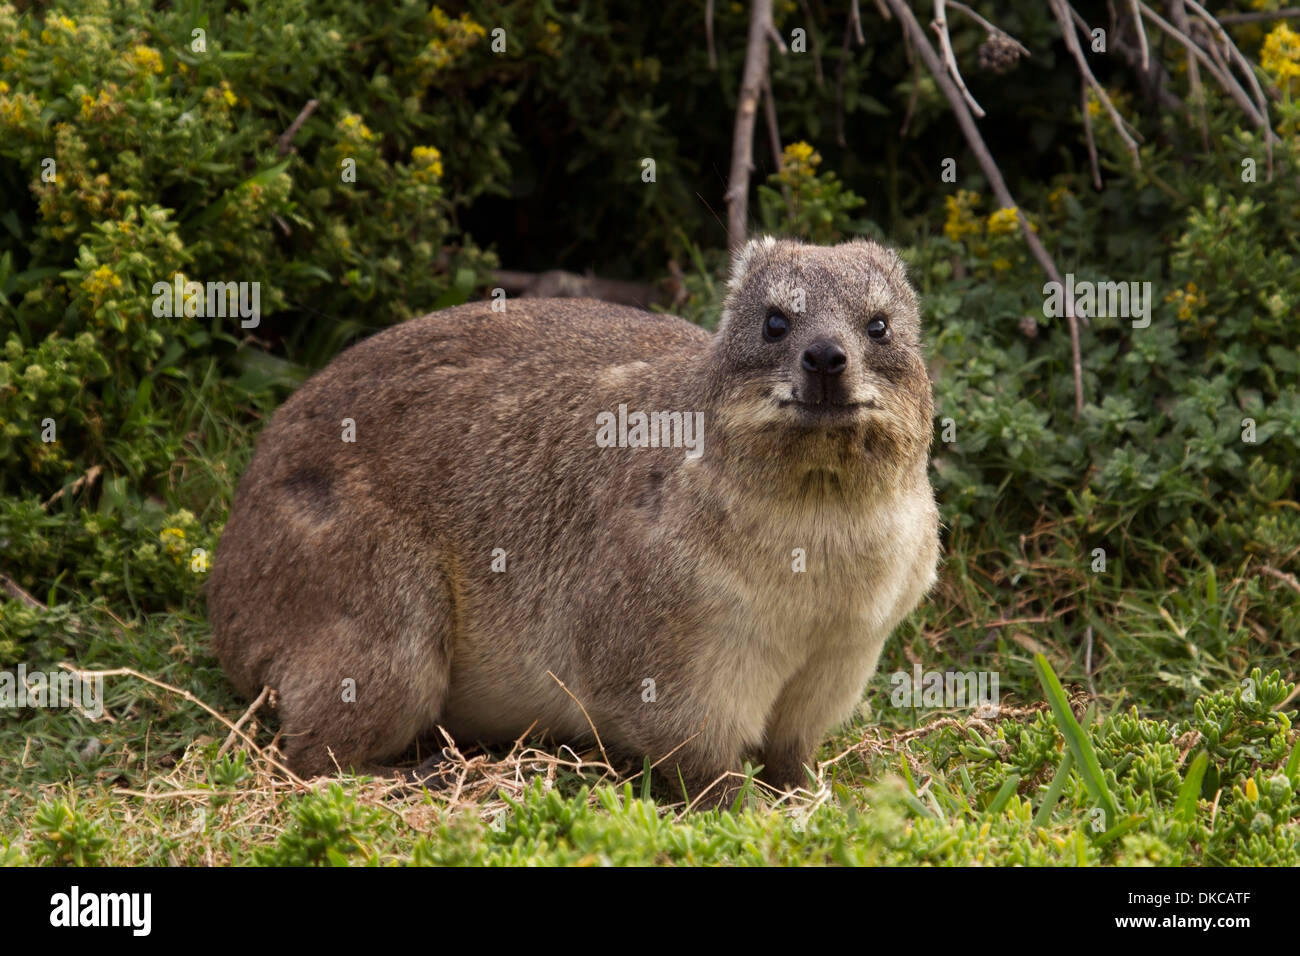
(820, 696)
(692, 742)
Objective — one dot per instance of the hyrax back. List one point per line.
(706, 538)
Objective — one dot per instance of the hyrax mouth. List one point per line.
(825, 413)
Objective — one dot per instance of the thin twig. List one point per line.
(1287, 579)
(915, 95)
(940, 26)
(193, 699)
(994, 176)
(594, 732)
(1179, 15)
(839, 85)
(1284, 14)
(252, 709)
(12, 588)
(1226, 80)
(1087, 660)
(284, 146)
(1087, 134)
(855, 16)
(776, 39)
(88, 478)
(992, 28)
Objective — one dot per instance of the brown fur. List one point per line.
(475, 430)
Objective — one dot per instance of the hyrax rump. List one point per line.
(717, 593)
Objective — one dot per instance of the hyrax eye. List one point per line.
(776, 326)
(878, 327)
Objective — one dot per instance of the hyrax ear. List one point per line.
(746, 257)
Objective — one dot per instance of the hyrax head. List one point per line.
(820, 348)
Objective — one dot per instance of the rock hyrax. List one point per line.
(707, 538)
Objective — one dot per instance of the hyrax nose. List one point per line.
(824, 357)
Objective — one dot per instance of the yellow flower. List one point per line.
(101, 282)
(428, 162)
(98, 107)
(22, 109)
(454, 38)
(146, 59)
(1190, 301)
(1001, 265)
(173, 541)
(801, 152)
(351, 124)
(1280, 55)
(960, 221)
(60, 24)
(1003, 222)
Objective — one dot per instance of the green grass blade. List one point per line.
(1080, 745)
(1190, 791)
(1003, 795)
(1053, 792)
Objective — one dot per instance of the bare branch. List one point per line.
(1283, 14)
(1226, 80)
(15, 591)
(742, 140)
(1179, 15)
(1246, 69)
(773, 129)
(284, 145)
(992, 28)
(1142, 34)
(708, 34)
(1087, 132)
(940, 26)
(1060, 9)
(839, 85)
(855, 15)
(994, 176)
(776, 38)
